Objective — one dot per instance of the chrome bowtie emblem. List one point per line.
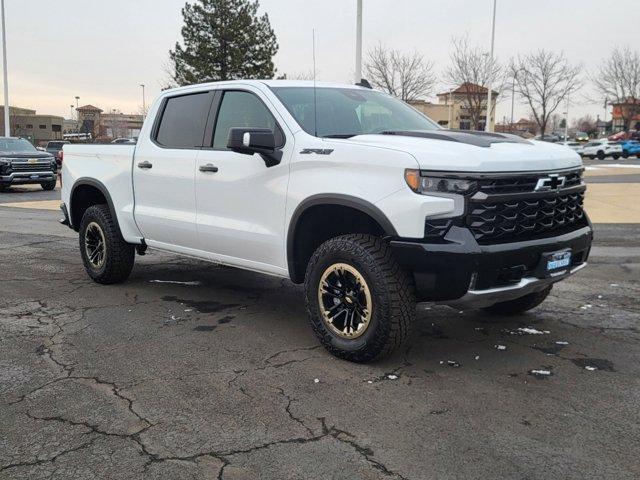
(552, 182)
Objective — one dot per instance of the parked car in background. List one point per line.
(55, 149)
(21, 163)
(630, 148)
(582, 137)
(601, 149)
(547, 137)
(124, 141)
(575, 146)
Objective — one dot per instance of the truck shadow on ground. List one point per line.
(442, 337)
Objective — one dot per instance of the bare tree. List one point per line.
(472, 70)
(544, 80)
(407, 76)
(585, 124)
(618, 81)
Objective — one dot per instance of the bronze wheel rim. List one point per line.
(344, 299)
(95, 245)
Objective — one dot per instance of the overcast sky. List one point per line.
(101, 50)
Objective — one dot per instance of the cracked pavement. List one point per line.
(222, 378)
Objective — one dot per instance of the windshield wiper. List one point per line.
(341, 135)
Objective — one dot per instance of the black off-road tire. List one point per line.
(600, 155)
(615, 156)
(392, 296)
(119, 255)
(48, 185)
(519, 305)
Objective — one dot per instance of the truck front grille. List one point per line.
(523, 183)
(30, 167)
(521, 219)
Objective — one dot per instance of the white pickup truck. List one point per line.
(367, 202)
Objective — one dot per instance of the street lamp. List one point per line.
(359, 43)
(144, 103)
(7, 126)
(487, 123)
(71, 107)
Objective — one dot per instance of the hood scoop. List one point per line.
(479, 139)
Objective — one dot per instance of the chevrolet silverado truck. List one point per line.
(347, 190)
(21, 163)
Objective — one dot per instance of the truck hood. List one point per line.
(26, 155)
(463, 153)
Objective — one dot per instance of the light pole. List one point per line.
(144, 103)
(359, 43)
(566, 120)
(487, 123)
(71, 107)
(7, 126)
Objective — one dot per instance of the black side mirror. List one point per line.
(255, 140)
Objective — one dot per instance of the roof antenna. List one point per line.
(315, 98)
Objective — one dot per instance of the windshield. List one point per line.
(345, 112)
(16, 145)
(56, 145)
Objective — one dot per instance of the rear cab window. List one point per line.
(183, 120)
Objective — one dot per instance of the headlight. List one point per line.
(425, 184)
(5, 161)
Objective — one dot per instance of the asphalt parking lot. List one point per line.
(190, 370)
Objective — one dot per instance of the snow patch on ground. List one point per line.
(175, 282)
(529, 331)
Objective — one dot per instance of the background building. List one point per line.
(26, 123)
(455, 108)
(108, 126)
(631, 110)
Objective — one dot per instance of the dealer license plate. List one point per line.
(558, 261)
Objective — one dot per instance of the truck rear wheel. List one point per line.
(360, 303)
(106, 256)
(519, 305)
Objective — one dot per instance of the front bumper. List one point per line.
(27, 177)
(461, 272)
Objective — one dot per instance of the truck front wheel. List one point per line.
(519, 305)
(360, 303)
(106, 256)
(48, 185)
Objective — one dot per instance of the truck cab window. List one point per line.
(243, 109)
(183, 121)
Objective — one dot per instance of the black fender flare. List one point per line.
(356, 203)
(97, 184)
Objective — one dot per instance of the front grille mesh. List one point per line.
(522, 184)
(526, 218)
(30, 167)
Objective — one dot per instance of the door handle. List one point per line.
(208, 168)
(145, 165)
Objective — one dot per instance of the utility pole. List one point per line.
(7, 126)
(487, 123)
(144, 103)
(566, 120)
(359, 43)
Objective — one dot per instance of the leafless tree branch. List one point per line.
(618, 80)
(543, 80)
(407, 76)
